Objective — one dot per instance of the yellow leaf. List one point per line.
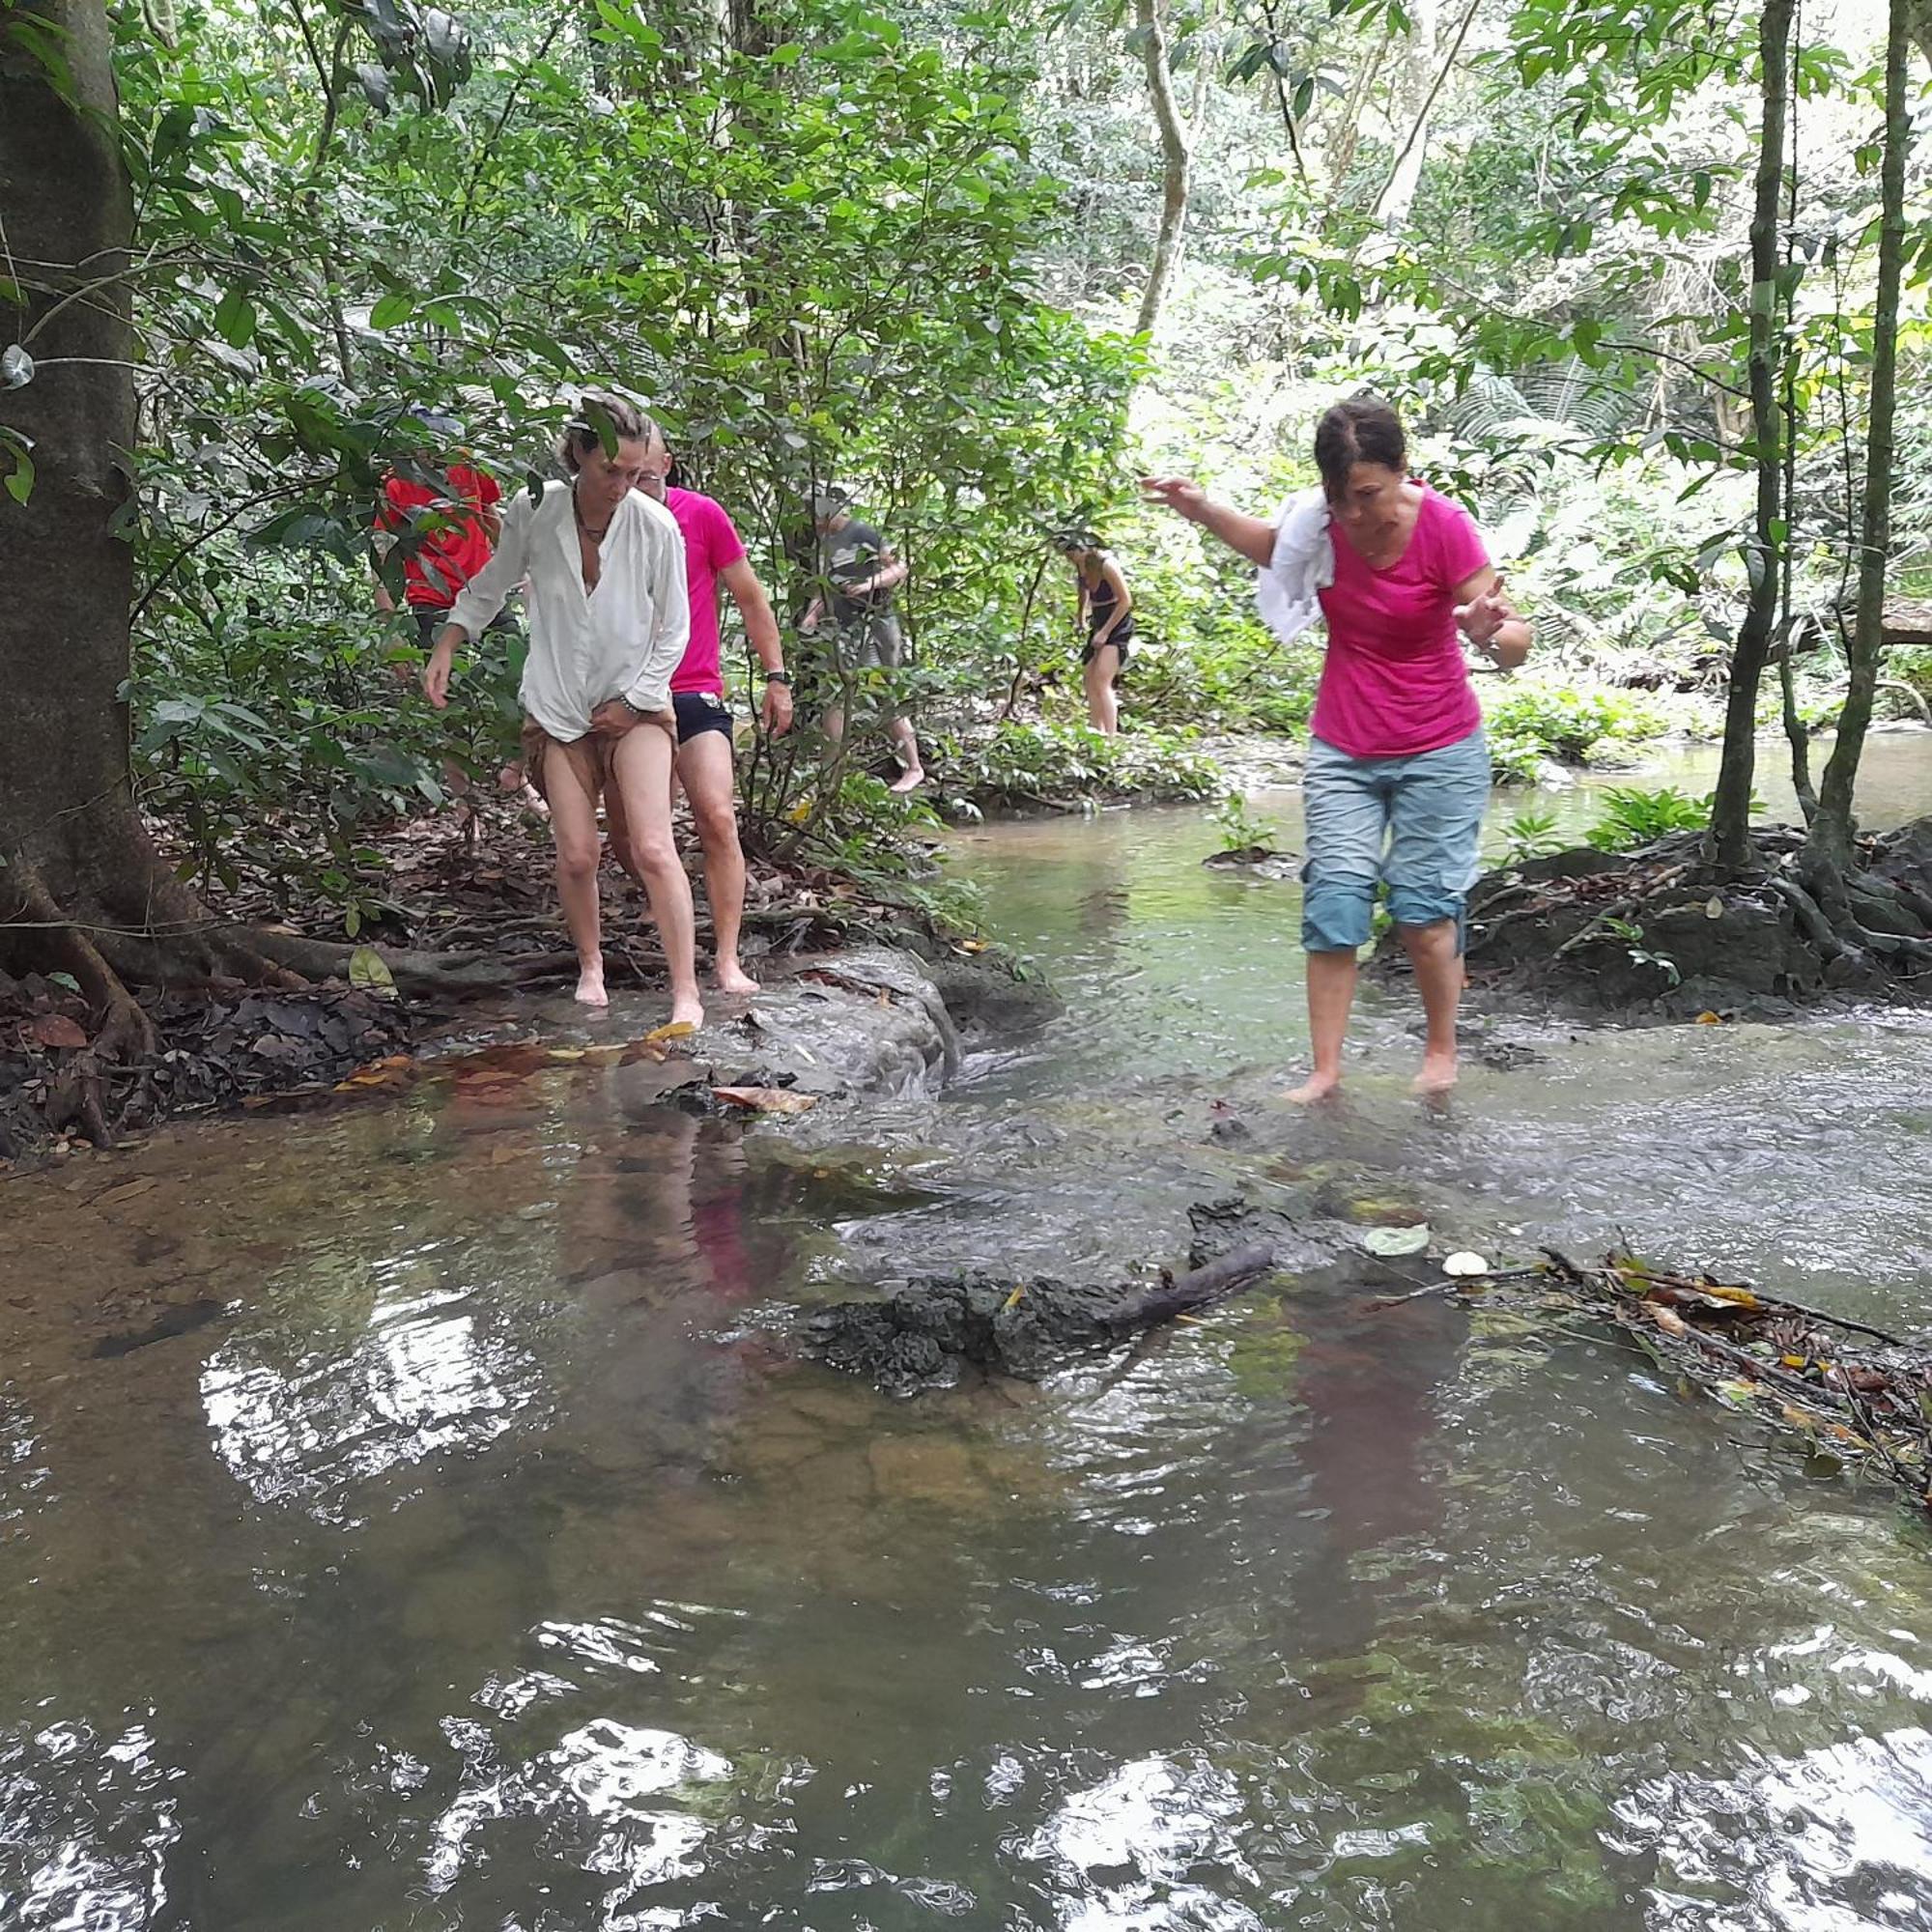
(1013, 1300)
(568, 1052)
(766, 1099)
(1714, 907)
(674, 1029)
(1707, 1018)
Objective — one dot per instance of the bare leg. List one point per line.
(1103, 705)
(644, 765)
(1331, 993)
(705, 764)
(1439, 976)
(573, 824)
(905, 742)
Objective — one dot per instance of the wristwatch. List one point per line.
(778, 678)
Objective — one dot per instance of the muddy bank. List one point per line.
(1661, 935)
(865, 1019)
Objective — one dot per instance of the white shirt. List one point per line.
(622, 639)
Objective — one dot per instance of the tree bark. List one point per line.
(1398, 195)
(1834, 826)
(67, 808)
(1175, 164)
(1730, 816)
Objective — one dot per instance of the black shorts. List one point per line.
(1122, 640)
(699, 712)
(431, 619)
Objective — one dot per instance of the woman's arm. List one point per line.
(1489, 622)
(1249, 536)
(649, 691)
(479, 601)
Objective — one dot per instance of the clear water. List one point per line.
(478, 1556)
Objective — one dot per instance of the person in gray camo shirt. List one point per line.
(861, 573)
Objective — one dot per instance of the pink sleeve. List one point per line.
(1459, 545)
(721, 537)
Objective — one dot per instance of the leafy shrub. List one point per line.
(282, 743)
(1634, 817)
(1530, 720)
(1530, 835)
(1240, 833)
(1021, 765)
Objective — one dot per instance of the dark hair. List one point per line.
(582, 433)
(1362, 429)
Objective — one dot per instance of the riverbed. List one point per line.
(414, 1515)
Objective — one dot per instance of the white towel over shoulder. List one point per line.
(1287, 588)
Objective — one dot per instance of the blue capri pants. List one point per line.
(1412, 824)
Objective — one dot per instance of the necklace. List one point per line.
(577, 510)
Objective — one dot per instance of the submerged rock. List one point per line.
(927, 1331)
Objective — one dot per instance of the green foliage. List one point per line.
(1240, 831)
(1634, 817)
(1529, 721)
(1530, 835)
(1021, 766)
(284, 740)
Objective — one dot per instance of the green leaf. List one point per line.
(393, 308)
(368, 973)
(235, 319)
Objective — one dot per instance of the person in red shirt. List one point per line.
(448, 533)
(713, 555)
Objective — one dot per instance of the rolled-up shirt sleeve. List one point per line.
(670, 617)
(480, 602)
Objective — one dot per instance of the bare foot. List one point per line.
(908, 781)
(687, 1009)
(732, 977)
(1316, 1087)
(590, 985)
(1439, 1074)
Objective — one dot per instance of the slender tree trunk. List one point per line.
(1422, 82)
(1836, 826)
(1730, 816)
(1175, 164)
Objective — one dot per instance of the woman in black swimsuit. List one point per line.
(1107, 618)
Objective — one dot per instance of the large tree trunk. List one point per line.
(1834, 826)
(1730, 816)
(82, 889)
(1176, 161)
(68, 832)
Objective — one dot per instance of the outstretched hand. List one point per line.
(1483, 616)
(435, 678)
(1184, 498)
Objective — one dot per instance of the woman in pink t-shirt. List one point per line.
(1398, 773)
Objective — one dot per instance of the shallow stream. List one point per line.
(464, 1548)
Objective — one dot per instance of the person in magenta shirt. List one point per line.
(714, 555)
(1397, 774)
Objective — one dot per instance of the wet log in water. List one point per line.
(925, 1331)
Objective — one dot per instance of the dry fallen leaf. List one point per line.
(1714, 907)
(57, 1030)
(1465, 1265)
(674, 1029)
(766, 1099)
(1707, 1018)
